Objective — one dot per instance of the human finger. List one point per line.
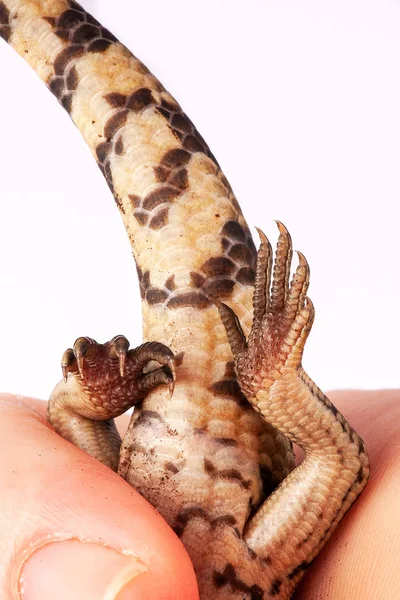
(71, 528)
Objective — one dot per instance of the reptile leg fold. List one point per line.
(290, 528)
(102, 381)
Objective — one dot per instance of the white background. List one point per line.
(300, 102)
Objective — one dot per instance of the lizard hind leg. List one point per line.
(290, 528)
(100, 382)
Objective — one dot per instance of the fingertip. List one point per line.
(81, 569)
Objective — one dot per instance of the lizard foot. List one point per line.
(113, 376)
(102, 381)
(290, 528)
(282, 320)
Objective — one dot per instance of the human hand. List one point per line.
(49, 488)
(71, 528)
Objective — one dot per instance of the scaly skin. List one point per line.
(293, 524)
(203, 457)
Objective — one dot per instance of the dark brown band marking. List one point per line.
(217, 276)
(229, 577)
(245, 276)
(223, 520)
(275, 587)
(232, 474)
(5, 30)
(147, 417)
(153, 209)
(156, 296)
(230, 389)
(83, 34)
(241, 254)
(360, 475)
(299, 569)
(160, 220)
(220, 288)
(197, 512)
(159, 196)
(234, 231)
(230, 370)
(174, 159)
(114, 123)
(171, 467)
(218, 265)
(189, 300)
(196, 279)
(170, 283)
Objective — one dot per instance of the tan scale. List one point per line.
(204, 451)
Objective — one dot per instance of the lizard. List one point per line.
(218, 386)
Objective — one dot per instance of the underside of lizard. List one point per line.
(218, 387)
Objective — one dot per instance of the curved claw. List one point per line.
(302, 259)
(172, 366)
(282, 228)
(309, 306)
(283, 259)
(80, 360)
(298, 288)
(262, 279)
(67, 360)
(119, 348)
(81, 346)
(262, 236)
(122, 357)
(171, 388)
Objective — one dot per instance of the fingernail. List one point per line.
(80, 570)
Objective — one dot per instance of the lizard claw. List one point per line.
(281, 275)
(262, 236)
(119, 347)
(81, 347)
(112, 378)
(171, 388)
(68, 363)
(282, 316)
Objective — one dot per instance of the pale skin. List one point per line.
(43, 495)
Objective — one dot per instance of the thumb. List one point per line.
(71, 528)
